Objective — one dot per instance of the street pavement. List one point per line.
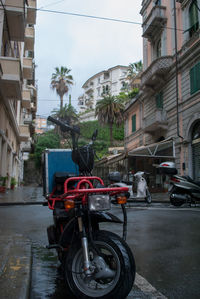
(15, 250)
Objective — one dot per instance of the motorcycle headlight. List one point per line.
(99, 202)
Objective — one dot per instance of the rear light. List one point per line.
(175, 180)
(69, 204)
(165, 165)
(121, 200)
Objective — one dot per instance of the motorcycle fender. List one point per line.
(104, 217)
(71, 228)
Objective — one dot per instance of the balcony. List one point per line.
(26, 98)
(10, 83)
(15, 12)
(156, 121)
(153, 24)
(155, 74)
(31, 12)
(27, 68)
(24, 133)
(29, 38)
(28, 119)
(26, 146)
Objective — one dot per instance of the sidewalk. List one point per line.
(15, 250)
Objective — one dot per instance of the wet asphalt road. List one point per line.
(165, 242)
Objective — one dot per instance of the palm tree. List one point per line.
(61, 82)
(109, 110)
(66, 113)
(134, 69)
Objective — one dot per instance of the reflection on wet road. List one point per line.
(47, 278)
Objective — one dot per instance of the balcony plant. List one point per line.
(13, 182)
(3, 180)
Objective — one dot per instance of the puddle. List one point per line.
(47, 278)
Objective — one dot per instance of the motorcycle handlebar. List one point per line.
(64, 126)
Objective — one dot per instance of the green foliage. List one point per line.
(47, 140)
(87, 129)
(13, 181)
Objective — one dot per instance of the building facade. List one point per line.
(112, 81)
(163, 123)
(18, 93)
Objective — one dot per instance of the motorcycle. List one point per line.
(96, 263)
(182, 189)
(142, 190)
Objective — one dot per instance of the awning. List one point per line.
(162, 149)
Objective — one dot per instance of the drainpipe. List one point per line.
(176, 67)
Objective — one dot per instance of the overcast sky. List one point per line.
(85, 45)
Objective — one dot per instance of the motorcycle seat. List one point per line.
(187, 177)
(60, 177)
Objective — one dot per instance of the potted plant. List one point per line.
(13, 183)
(3, 180)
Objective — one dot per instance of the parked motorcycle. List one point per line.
(97, 263)
(182, 189)
(142, 190)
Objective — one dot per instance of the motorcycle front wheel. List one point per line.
(113, 268)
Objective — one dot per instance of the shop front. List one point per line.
(147, 158)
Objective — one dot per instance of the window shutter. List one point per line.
(134, 123)
(195, 78)
(159, 100)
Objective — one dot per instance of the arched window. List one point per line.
(193, 18)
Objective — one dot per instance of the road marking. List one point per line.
(146, 288)
(197, 209)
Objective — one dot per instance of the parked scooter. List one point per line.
(142, 190)
(96, 263)
(182, 189)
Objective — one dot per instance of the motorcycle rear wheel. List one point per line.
(119, 260)
(148, 197)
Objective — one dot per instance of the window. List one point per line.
(158, 2)
(158, 49)
(193, 18)
(159, 100)
(133, 123)
(195, 78)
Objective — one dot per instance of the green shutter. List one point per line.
(195, 78)
(159, 100)
(134, 123)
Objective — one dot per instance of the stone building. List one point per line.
(111, 81)
(18, 93)
(163, 122)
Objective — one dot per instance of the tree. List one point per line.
(66, 113)
(46, 140)
(109, 110)
(61, 82)
(134, 69)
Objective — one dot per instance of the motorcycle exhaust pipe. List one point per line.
(180, 197)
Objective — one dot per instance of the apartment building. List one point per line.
(111, 81)
(18, 93)
(163, 122)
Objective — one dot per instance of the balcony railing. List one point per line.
(156, 71)
(10, 82)
(27, 68)
(157, 120)
(15, 12)
(26, 98)
(26, 146)
(28, 119)
(24, 132)
(154, 22)
(31, 11)
(29, 38)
